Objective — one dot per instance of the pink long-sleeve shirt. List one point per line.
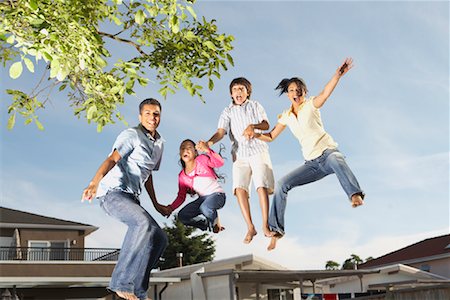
(204, 165)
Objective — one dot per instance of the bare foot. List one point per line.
(273, 241)
(126, 295)
(357, 200)
(249, 237)
(267, 232)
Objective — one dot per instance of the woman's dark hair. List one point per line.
(149, 101)
(284, 84)
(242, 81)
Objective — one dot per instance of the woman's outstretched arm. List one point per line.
(320, 99)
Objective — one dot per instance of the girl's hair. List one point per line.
(284, 84)
(183, 164)
(242, 81)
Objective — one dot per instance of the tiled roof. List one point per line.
(427, 248)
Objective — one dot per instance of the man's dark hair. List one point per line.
(242, 81)
(284, 84)
(151, 101)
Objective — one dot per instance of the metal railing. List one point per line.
(58, 254)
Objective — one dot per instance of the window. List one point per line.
(280, 294)
(48, 250)
(425, 267)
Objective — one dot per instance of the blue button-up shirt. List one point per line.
(140, 155)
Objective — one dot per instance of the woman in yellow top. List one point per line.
(318, 147)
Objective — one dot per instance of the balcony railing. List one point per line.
(58, 254)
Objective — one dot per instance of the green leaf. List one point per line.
(91, 111)
(54, 68)
(29, 64)
(100, 61)
(210, 45)
(15, 70)
(11, 121)
(38, 124)
(28, 121)
(33, 4)
(189, 35)
(191, 11)
(174, 24)
(114, 90)
(62, 74)
(99, 127)
(116, 20)
(10, 39)
(47, 56)
(211, 84)
(230, 59)
(140, 17)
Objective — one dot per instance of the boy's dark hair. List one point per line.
(284, 84)
(151, 101)
(242, 81)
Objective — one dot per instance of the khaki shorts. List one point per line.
(257, 167)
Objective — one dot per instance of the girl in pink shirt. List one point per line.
(198, 177)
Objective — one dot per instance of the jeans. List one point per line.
(142, 247)
(331, 161)
(202, 212)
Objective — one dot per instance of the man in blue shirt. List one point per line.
(117, 184)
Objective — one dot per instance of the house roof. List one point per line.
(251, 268)
(387, 277)
(243, 262)
(11, 218)
(432, 248)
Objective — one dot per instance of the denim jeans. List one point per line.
(202, 212)
(331, 161)
(142, 247)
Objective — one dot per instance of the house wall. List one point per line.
(218, 287)
(355, 284)
(177, 290)
(247, 291)
(52, 235)
(57, 269)
(439, 266)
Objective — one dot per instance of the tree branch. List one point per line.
(111, 36)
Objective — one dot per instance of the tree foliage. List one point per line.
(68, 36)
(196, 248)
(349, 264)
(332, 265)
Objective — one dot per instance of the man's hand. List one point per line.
(89, 192)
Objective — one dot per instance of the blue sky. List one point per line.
(389, 114)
